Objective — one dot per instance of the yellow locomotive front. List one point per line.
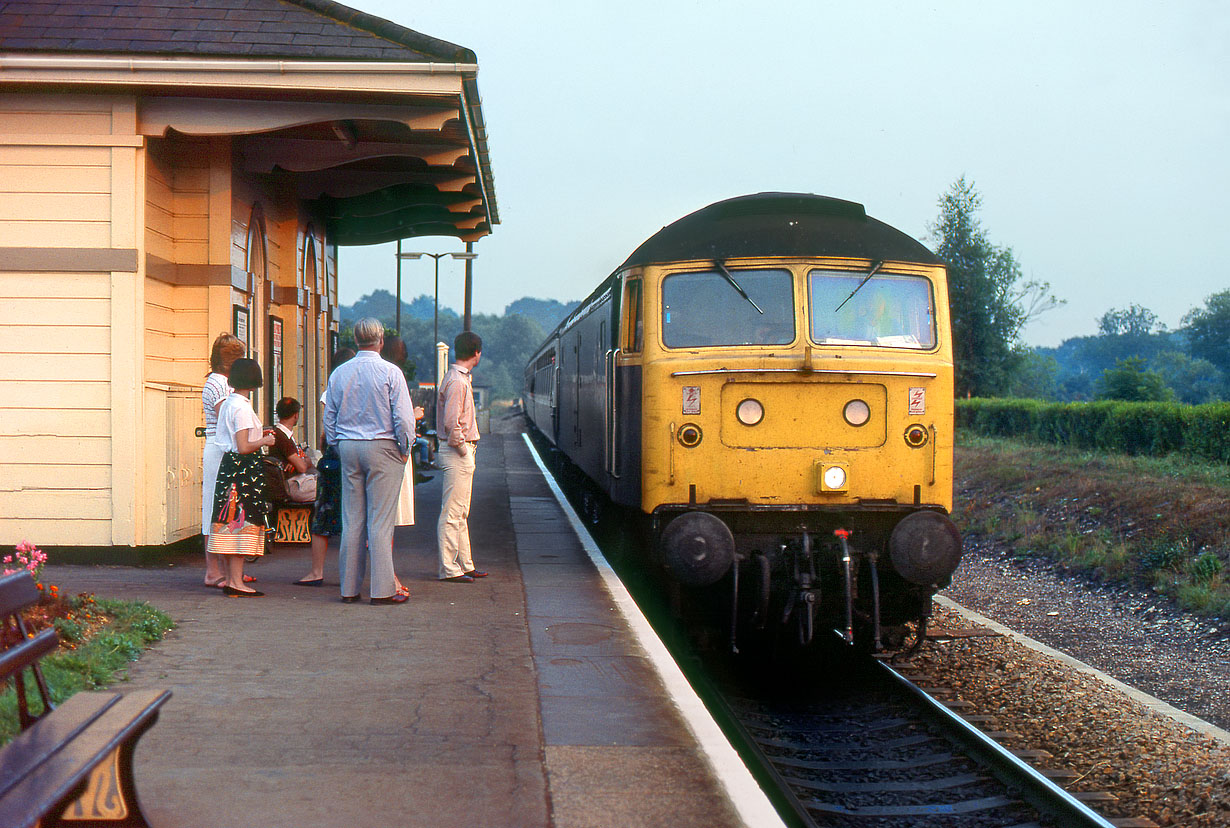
(796, 427)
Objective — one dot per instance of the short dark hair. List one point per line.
(467, 344)
(245, 374)
(287, 407)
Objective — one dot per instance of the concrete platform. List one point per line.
(524, 699)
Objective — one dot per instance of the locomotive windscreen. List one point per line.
(707, 308)
(888, 311)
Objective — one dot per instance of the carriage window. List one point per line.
(888, 311)
(705, 309)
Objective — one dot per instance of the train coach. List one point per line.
(767, 385)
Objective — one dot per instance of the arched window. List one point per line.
(310, 354)
(256, 263)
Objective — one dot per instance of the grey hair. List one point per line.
(368, 331)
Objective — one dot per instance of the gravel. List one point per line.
(1157, 767)
(1135, 636)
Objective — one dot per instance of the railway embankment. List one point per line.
(1123, 564)
(1152, 524)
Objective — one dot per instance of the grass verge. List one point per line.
(101, 637)
(1156, 522)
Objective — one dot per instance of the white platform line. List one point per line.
(745, 794)
(1155, 704)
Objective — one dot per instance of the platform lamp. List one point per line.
(467, 257)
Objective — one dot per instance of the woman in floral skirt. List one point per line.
(241, 499)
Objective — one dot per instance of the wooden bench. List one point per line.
(71, 765)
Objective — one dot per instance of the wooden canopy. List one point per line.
(378, 126)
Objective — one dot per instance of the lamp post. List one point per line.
(467, 257)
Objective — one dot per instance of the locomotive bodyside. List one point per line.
(769, 382)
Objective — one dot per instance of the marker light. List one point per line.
(750, 412)
(689, 435)
(916, 436)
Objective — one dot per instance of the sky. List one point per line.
(1097, 133)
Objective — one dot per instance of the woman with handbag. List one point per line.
(241, 499)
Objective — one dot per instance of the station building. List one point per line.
(174, 169)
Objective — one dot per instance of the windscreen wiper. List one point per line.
(875, 268)
(721, 268)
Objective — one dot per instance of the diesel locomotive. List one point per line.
(767, 385)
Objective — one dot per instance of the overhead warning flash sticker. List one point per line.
(918, 401)
(691, 399)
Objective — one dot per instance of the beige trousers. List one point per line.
(453, 529)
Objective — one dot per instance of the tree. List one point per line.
(989, 303)
(1194, 381)
(1130, 380)
(1131, 321)
(1034, 376)
(1208, 331)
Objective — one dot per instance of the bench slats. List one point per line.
(57, 777)
(16, 592)
(27, 653)
(33, 746)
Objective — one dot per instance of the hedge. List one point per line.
(1152, 428)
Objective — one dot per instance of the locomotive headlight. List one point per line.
(856, 412)
(689, 435)
(750, 412)
(834, 479)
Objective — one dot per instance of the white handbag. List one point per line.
(301, 487)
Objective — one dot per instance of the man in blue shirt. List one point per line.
(369, 418)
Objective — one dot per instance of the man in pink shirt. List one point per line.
(457, 430)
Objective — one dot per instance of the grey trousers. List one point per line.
(372, 473)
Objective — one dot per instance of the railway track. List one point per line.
(861, 745)
(845, 740)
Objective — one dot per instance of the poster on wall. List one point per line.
(275, 363)
(240, 324)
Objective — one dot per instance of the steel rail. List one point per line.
(779, 791)
(1040, 792)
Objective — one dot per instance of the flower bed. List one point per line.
(99, 637)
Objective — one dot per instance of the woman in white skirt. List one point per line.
(226, 350)
(394, 351)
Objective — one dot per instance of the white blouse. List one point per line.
(236, 414)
